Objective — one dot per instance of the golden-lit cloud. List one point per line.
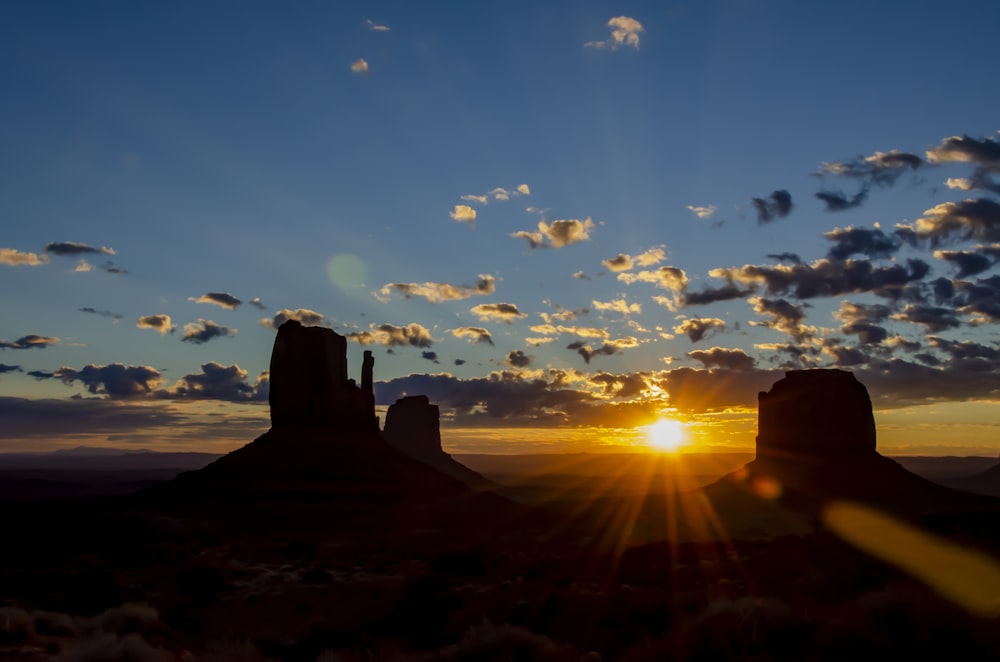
(463, 213)
(475, 334)
(389, 335)
(618, 306)
(499, 312)
(438, 292)
(699, 328)
(359, 66)
(624, 32)
(666, 278)
(15, 258)
(625, 262)
(30, 341)
(559, 233)
(160, 323)
(83, 267)
(303, 315)
(221, 299)
(203, 330)
(960, 183)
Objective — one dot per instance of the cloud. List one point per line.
(523, 189)
(83, 267)
(624, 32)
(475, 334)
(109, 267)
(220, 382)
(851, 240)
(463, 213)
(221, 299)
(255, 302)
(702, 212)
(376, 27)
(838, 200)
(970, 263)
(580, 275)
(778, 205)
(75, 248)
(665, 278)
(977, 218)
(359, 66)
(15, 258)
(709, 295)
(699, 328)
(881, 168)
(560, 233)
(785, 316)
(4, 368)
(161, 323)
(518, 359)
(101, 313)
(935, 318)
(500, 312)
(984, 152)
(202, 331)
(979, 298)
(429, 356)
(617, 306)
(499, 193)
(720, 357)
(388, 335)
(304, 315)
(30, 341)
(625, 262)
(792, 258)
(438, 292)
(609, 348)
(115, 380)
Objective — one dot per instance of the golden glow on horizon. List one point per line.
(666, 434)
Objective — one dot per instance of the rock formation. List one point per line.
(823, 413)
(309, 383)
(412, 425)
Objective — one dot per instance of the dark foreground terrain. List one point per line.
(105, 579)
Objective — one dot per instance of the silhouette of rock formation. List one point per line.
(816, 412)
(309, 383)
(412, 425)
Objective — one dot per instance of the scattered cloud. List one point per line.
(557, 234)
(202, 331)
(359, 66)
(475, 334)
(255, 302)
(15, 258)
(220, 382)
(720, 357)
(706, 211)
(30, 341)
(63, 248)
(881, 168)
(499, 312)
(115, 380)
(463, 213)
(161, 323)
(838, 200)
(388, 335)
(617, 306)
(83, 267)
(700, 328)
(101, 313)
(376, 27)
(438, 292)
(222, 299)
(4, 368)
(972, 218)
(518, 359)
(778, 205)
(624, 32)
(861, 241)
(665, 278)
(304, 315)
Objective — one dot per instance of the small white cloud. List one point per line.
(372, 25)
(523, 189)
(702, 212)
(463, 213)
(359, 66)
(83, 266)
(624, 32)
(960, 183)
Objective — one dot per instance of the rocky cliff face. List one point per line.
(309, 383)
(820, 413)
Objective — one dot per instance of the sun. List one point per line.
(666, 434)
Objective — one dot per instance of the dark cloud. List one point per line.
(76, 248)
(791, 258)
(429, 356)
(697, 390)
(459, 361)
(721, 357)
(969, 263)
(861, 241)
(518, 359)
(698, 328)
(255, 302)
(846, 357)
(588, 352)
(202, 331)
(110, 268)
(778, 205)
(983, 152)
(867, 332)
(966, 349)
(475, 334)
(161, 323)
(304, 315)
(979, 298)
(785, 316)
(862, 321)
(973, 218)
(838, 200)
(220, 382)
(115, 380)
(709, 295)
(935, 318)
(223, 299)
(882, 168)
(101, 313)
(388, 335)
(30, 341)
(4, 368)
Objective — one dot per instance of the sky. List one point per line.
(560, 221)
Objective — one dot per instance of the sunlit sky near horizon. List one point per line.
(559, 221)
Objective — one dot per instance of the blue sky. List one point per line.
(231, 165)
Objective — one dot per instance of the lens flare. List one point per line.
(666, 434)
